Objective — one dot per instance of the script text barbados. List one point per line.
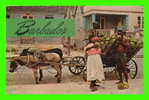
(30, 27)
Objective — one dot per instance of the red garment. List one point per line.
(93, 51)
(95, 38)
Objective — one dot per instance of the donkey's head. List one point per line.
(13, 66)
(15, 62)
(25, 52)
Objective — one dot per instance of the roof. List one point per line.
(52, 9)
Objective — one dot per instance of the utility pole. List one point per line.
(70, 14)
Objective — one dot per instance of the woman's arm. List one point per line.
(88, 46)
(101, 52)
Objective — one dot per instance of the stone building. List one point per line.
(108, 17)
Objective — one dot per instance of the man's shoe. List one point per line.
(93, 88)
(118, 82)
(96, 85)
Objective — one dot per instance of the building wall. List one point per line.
(115, 8)
(39, 14)
(133, 12)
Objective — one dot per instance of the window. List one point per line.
(49, 17)
(30, 17)
(139, 21)
(27, 16)
(142, 22)
(24, 17)
(7, 16)
(101, 21)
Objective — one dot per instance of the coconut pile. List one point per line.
(132, 41)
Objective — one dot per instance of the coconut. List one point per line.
(123, 85)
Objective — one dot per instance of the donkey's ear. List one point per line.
(28, 48)
(10, 59)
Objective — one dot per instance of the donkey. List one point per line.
(30, 60)
(120, 57)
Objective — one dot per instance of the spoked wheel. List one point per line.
(133, 68)
(77, 69)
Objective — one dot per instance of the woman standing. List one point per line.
(94, 64)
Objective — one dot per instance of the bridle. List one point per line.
(27, 64)
(28, 60)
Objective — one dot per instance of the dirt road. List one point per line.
(22, 82)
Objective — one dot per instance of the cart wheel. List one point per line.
(76, 70)
(133, 68)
